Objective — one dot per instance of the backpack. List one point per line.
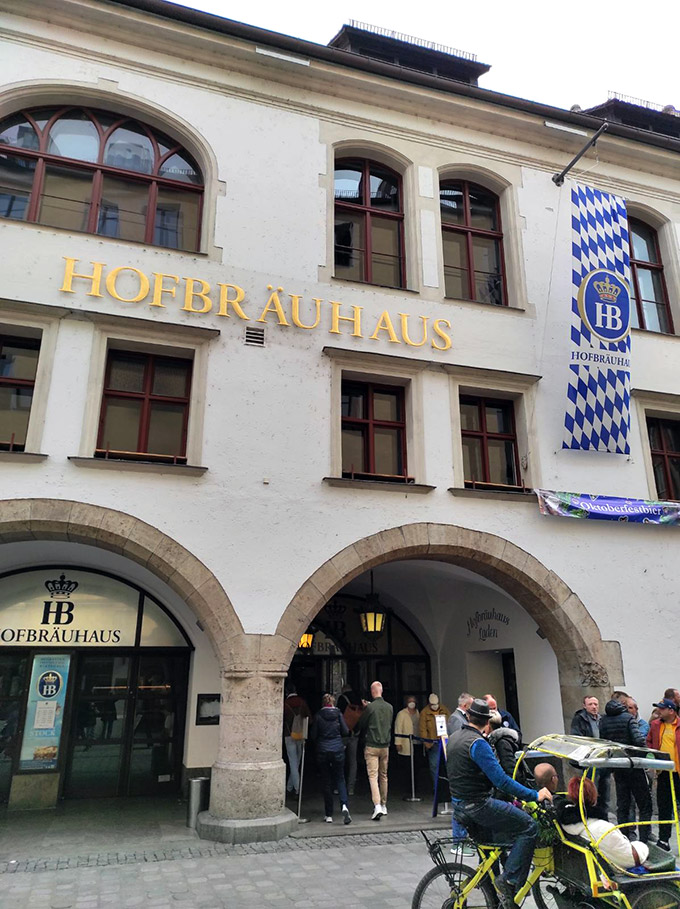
(351, 715)
(297, 729)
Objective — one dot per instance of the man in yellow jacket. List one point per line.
(428, 730)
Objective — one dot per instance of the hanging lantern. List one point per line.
(372, 621)
(306, 640)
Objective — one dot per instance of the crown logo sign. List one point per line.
(50, 678)
(607, 290)
(61, 587)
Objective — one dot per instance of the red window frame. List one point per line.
(98, 170)
(147, 398)
(636, 265)
(368, 211)
(469, 231)
(10, 382)
(368, 425)
(484, 435)
(663, 456)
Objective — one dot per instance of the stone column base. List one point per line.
(246, 830)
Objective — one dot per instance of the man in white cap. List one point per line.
(428, 730)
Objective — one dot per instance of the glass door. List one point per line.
(100, 704)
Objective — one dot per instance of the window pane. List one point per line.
(170, 378)
(177, 219)
(181, 167)
(166, 424)
(129, 148)
(644, 245)
(662, 490)
(634, 318)
(353, 402)
(43, 115)
(671, 432)
(455, 249)
(18, 132)
(483, 209)
(126, 374)
(386, 270)
(650, 284)
(473, 468)
(502, 462)
(387, 449)
(656, 317)
(385, 236)
(15, 406)
(654, 428)
(488, 288)
(353, 450)
(451, 202)
(122, 212)
(469, 416)
(120, 431)
(16, 181)
(384, 190)
(18, 360)
(674, 468)
(349, 246)
(348, 184)
(386, 405)
(485, 254)
(66, 198)
(499, 418)
(74, 136)
(456, 283)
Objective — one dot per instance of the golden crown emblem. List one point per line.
(607, 290)
(50, 678)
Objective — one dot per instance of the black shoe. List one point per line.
(506, 893)
(662, 844)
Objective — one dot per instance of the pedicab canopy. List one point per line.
(587, 753)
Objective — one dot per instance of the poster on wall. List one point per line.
(45, 712)
(598, 392)
(607, 508)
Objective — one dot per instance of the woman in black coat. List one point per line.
(327, 731)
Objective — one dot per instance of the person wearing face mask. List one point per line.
(406, 723)
(428, 730)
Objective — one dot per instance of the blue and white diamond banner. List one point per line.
(598, 394)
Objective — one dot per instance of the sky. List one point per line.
(559, 53)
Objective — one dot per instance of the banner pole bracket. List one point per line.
(558, 179)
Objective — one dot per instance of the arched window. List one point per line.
(102, 173)
(648, 286)
(473, 243)
(369, 223)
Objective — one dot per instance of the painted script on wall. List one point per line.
(229, 301)
(481, 622)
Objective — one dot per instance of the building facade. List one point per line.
(284, 337)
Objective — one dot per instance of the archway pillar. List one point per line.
(247, 801)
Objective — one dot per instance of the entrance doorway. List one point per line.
(127, 724)
(493, 672)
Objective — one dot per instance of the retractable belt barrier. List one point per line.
(440, 742)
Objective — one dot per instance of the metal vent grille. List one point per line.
(254, 336)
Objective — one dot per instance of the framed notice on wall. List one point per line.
(208, 710)
(45, 712)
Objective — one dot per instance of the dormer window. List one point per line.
(100, 173)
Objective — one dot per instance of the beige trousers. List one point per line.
(376, 767)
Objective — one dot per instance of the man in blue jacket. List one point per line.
(474, 771)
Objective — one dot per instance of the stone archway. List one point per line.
(584, 659)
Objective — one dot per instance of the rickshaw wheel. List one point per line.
(655, 896)
(442, 884)
(548, 894)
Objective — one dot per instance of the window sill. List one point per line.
(388, 485)
(350, 283)
(26, 457)
(188, 470)
(504, 307)
(494, 495)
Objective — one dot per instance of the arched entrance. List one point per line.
(584, 660)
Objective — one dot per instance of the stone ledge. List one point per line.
(346, 483)
(528, 498)
(187, 470)
(27, 457)
(255, 830)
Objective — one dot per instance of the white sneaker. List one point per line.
(377, 813)
(347, 818)
(383, 808)
(328, 820)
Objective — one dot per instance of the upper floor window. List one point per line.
(490, 456)
(18, 365)
(648, 286)
(102, 173)
(373, 431)
(369, 223)
(472, 240)
(145, 408)
(664, 442)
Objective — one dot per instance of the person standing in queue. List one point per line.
(428, 730)
(376, 723)
(328, 730)
(474, 772)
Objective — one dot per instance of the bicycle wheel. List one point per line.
(442, 884)
(550, 894)
(655, 896)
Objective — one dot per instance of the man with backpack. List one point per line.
(349, 705)
(295, 710)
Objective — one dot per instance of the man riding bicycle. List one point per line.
(474, 771)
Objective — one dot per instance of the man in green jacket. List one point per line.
(376, 723)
